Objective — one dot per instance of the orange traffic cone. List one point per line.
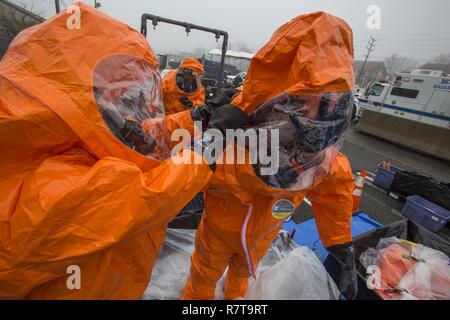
(357, 192)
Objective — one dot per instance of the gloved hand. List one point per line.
(227, 117)
(224, 96)
(345, 255)
(186, 102)
(203, 112)
(222, 118)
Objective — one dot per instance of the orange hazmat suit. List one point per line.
(72, 195)
(173, 93)
(308, 56)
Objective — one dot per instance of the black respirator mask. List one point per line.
(128, 131)
(187, 80)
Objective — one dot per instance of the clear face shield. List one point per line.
(188, 80)
(129, 96)
(311, 131)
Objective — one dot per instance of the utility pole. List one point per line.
(57, 7)
(369, 50)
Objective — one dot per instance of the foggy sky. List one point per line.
(418, 29)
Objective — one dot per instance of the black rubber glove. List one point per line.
(186, 102)
(224, 117)
(227, 117)
(344, 254)
(224, 96)
(203, 112)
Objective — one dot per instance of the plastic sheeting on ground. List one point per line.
(286, 272)
(408, 270)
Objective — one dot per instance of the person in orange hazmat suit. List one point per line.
(182, 88)
(300, 84)
(86, 191)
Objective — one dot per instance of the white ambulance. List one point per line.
(422, 95)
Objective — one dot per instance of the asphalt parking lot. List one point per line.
(366, 152)
(363, 152)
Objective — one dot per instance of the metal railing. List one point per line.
(188, 27)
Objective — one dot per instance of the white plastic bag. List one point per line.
(298, 276)
(409, 271)
(171, 270)
(289, 271)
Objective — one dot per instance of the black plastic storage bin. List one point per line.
(403, 229)
(189, 217)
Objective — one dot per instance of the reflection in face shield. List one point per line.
(187, 80)
(128, 93)
(311, 129)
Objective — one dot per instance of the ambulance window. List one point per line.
(406, 93)
(376, 90)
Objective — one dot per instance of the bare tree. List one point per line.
(200, 50)
(230, 45)
(240, 46)
(237, 46)
(13, 21)
(395, 64)
(443, 58)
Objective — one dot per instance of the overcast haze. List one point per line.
(415, 28)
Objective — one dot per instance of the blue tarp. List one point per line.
(306, 232)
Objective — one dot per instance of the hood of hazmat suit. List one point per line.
(300, 84)
(182, 87)
(84, 196)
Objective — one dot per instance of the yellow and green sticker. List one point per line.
(282, 209)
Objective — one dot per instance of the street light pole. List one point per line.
(57, 7)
